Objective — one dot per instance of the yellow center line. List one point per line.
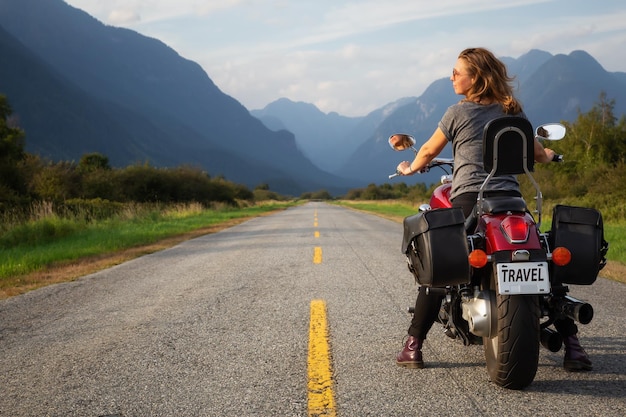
(321, 399)
(317, 255)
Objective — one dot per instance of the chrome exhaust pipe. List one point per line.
(551, 340)
(575, 309)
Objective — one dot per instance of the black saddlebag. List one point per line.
(435, 244)
(581, 231)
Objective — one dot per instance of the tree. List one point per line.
(57, 182)
(12, 183)
(595, 137)
(93, 162)
(593, 170)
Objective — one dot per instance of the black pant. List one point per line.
(427, 305)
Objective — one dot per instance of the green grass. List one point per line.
(38, 244)
(391, 209)
(615, 234)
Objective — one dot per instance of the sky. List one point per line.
(353, 57)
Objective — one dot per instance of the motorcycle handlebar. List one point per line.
(434, 163)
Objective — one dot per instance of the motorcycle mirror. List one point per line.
(551, 131)
(401, 142)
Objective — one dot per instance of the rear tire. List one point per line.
(512, 355)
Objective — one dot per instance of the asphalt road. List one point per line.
(218, 326)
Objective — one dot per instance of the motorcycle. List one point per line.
(503, 282)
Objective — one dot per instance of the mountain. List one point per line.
(328, 140)
(526, 65)
(417, 116)
(316, 133)
(55, 112)
(566, 84)
(79, 86)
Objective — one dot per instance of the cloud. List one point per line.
(123, 17)
(205, 8)
(130, 12)
(356, 18)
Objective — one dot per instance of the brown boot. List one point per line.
(576, 358)
(411, 355)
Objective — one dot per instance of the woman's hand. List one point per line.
(404, 168)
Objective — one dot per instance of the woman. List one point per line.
(483, 80)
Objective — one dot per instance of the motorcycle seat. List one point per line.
(493, 205)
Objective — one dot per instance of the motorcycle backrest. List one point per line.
(508, 146)
(509, 149)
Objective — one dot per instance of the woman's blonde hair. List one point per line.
(492, 83)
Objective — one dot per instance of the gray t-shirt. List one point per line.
(463, 125)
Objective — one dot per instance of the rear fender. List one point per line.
(496, 240)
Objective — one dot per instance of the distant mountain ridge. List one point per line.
(316, 133)
(328, 139)
(79, 86)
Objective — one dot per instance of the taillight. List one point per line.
(478, 258)
(561, 256)
(515, 228)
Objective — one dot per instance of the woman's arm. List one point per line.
(429, 150)
(543, 155)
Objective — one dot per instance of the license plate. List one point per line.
(523, 278)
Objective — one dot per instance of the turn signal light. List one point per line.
(561, 256)
(478, 258)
